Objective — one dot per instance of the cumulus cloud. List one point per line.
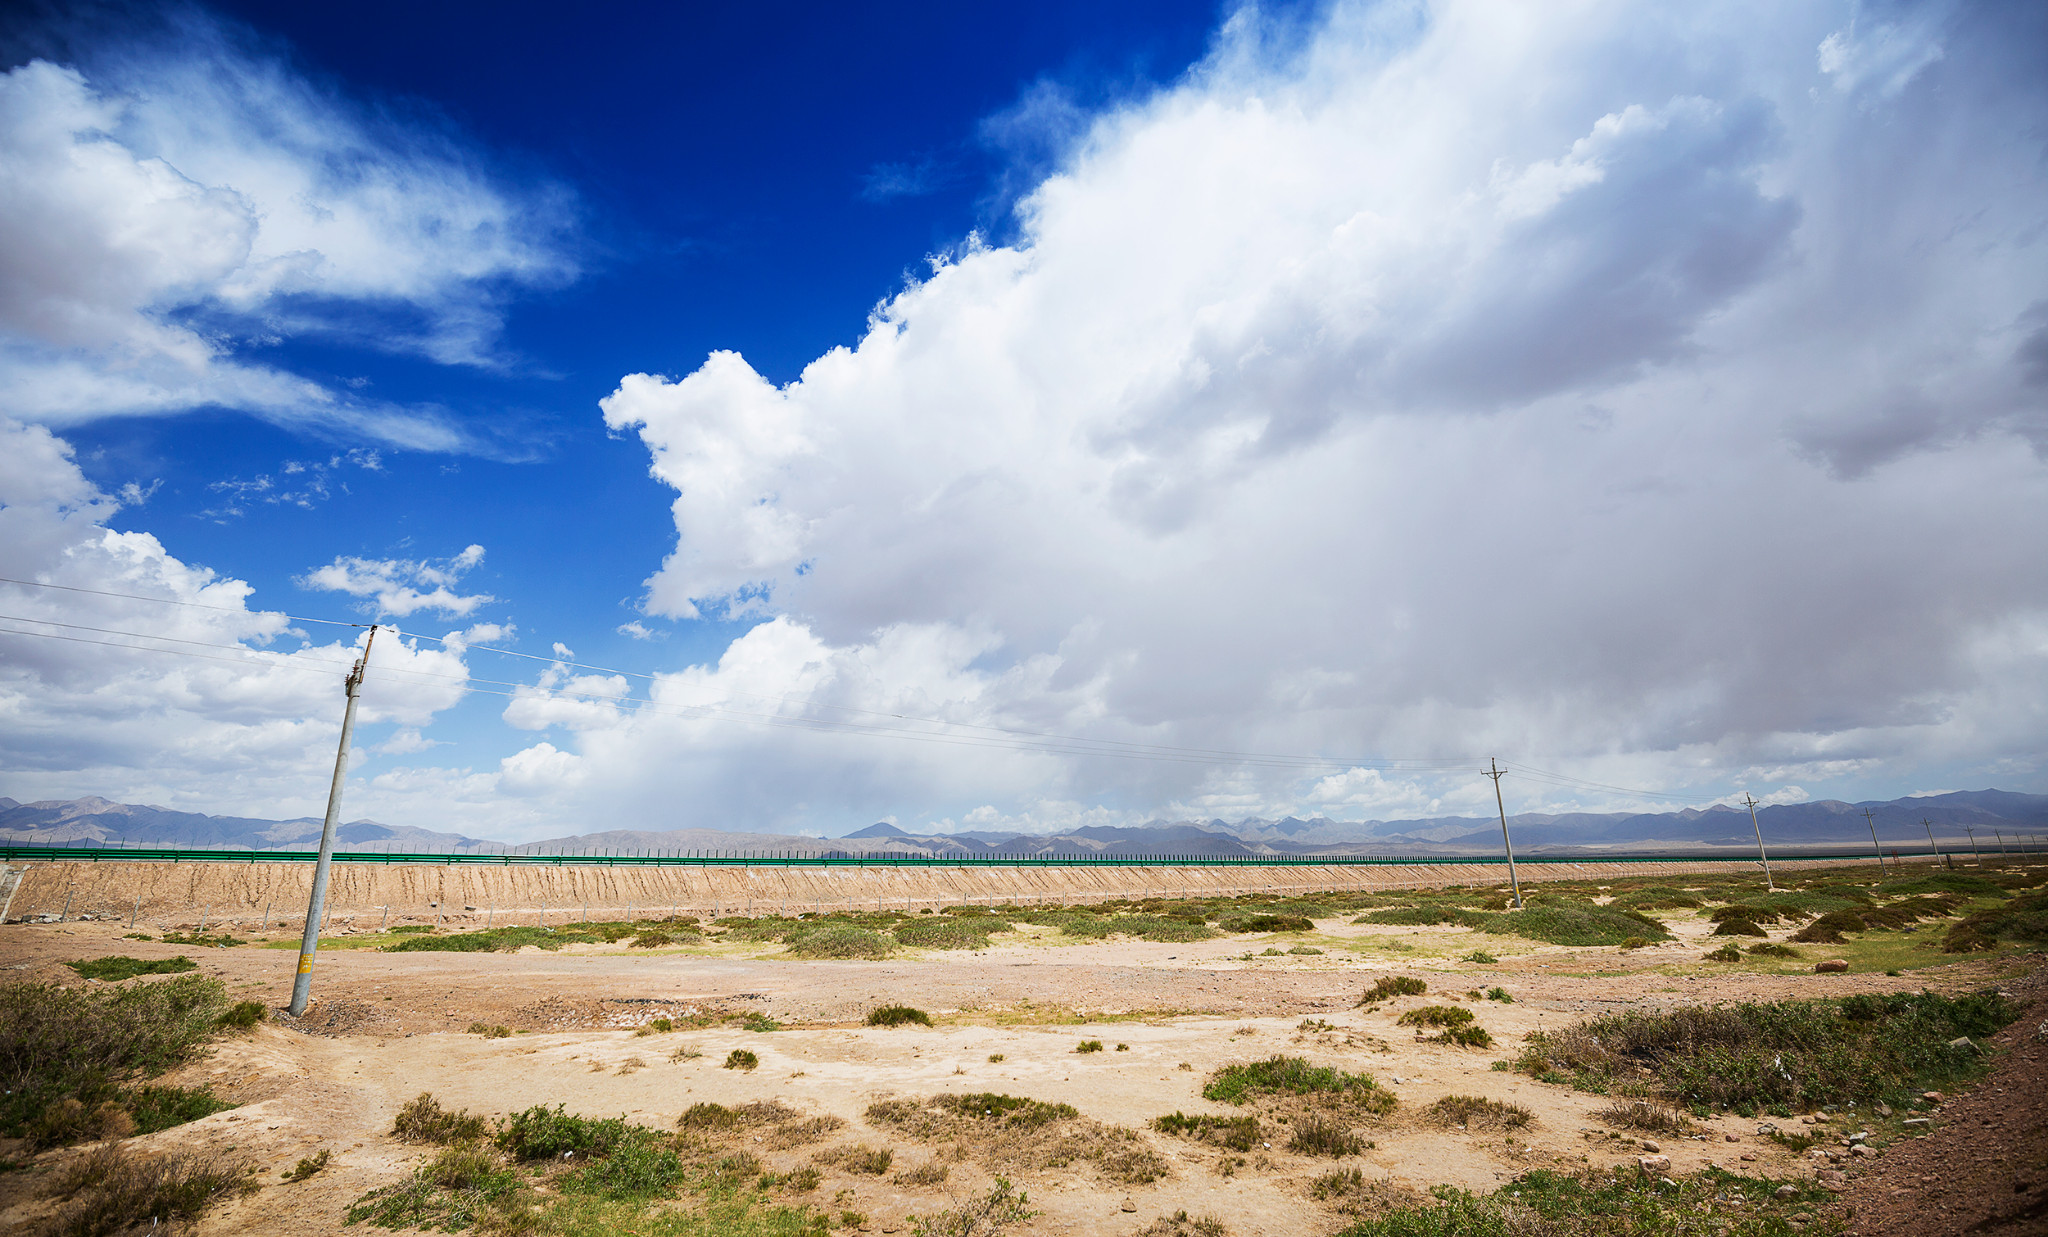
(398, 587)
(1649, 390)
(166, 215)
(208, 704)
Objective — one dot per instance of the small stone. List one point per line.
(1653, 1165)
(1830, 965)
(1963, 1043)
(1651, 1147)
(1859, 1136)
(1860, 1149)
(1130, 1205)
(1731, 1138)
(1766, 1129)
(1748, 1158)
(1884, 1110)
(1913, 1121)
(1832, 1179)
(1932, 1097)
(1785, 1192)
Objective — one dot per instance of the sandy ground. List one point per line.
(386, 1027)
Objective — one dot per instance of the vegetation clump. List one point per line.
(1285, 1075)
(1233, 1133)
(1786, 1054)
(1644, 1115)
(1436, 1016)
(898, 1015)
(741, 1059)
(842, 942)
(1387, 987)
(1726, 953)
(1319, 1134)
(115, 1189)
(1738, 927)
(2024, 918)
(1600, 1205)
(1828, 929)
(946, 932)
(117, 967)
(73, 1061)
(423, 1120)
(1475, 1113)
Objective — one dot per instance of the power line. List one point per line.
(979, 735)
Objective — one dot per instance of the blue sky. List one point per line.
(1652, 399)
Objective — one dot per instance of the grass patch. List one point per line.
(1789, 1054)
(1771, 949)
(1436, 1016)
(1266, 923)
(306, 1167)
(61, 1047)
(1233, 1133)
(741, 1059)
(947, 932)
(1828, 928)
(1595, 1205)
(1088, 1045)
(2024, 918)
(1575, 925)
(1285, 1075)
(1481, 957)
(1643, 1115)
(1726, 953)
(114, 1189)
(1475, 1113)
(841, 942)
(1738, 927)
(116, 967)
(898, 1015)
(986, 1216)
(1319, 1134)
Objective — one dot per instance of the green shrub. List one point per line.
(243, 1014)
(464, 1186)
(946, 933)
(117, 967)
(1089, 1045)
(1726, 953)
(1413, 916)
(741, 1059)
(1499, 994)
(1481, 957)
(1387, 987)
(1466, 1037)
(1267, 923)
(1828, 929)
(1794, 1054)
(1011, 1110)
(897, 1015)
(1770, 949)
(112, 1189)
(306, 1167)
(1944, 882)
(89, 1044)
(543, 1133)
(1575, 925)
(1738, 927)
(423, 1120)
(635, 1168)
(1603, 1204)
(1643, 1115)
(2024, 918)
(841, 942)
(1317, 1134)
(1235, 1084)
(1750, 914)
(1657, 898)
(154, 1107)
(1436, 1016)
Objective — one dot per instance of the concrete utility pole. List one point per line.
(1766, 859)
(309, 943)
(1495, 773)
(1973, 845)
(1870, 818)
(1927, 825)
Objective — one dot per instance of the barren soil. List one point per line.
(387, 1026)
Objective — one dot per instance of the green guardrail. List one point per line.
(134, 854)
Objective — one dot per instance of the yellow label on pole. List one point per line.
(305, 964)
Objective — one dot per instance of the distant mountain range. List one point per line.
(1827, 823)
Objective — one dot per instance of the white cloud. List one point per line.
(1595, 385)
(640, 631)
(394, 585)
(164, 217)
(221, 708)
